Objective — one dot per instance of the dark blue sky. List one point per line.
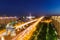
(24, 7)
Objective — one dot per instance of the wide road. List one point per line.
(26, 34)
(18, 26)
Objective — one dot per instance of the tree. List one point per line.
(45, 31)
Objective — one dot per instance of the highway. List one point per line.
(18, 26)
(26, 34)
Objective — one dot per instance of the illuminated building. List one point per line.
(30, 17)
(56, 21)
(10, 30)
(5, 20)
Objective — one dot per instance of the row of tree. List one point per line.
(44, 31)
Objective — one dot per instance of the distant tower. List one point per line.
(30, 17)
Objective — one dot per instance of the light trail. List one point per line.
(18, 26)
(26, 34)
(2, 31)
(25, 24)
(2, 38)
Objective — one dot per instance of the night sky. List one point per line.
(24, 7)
